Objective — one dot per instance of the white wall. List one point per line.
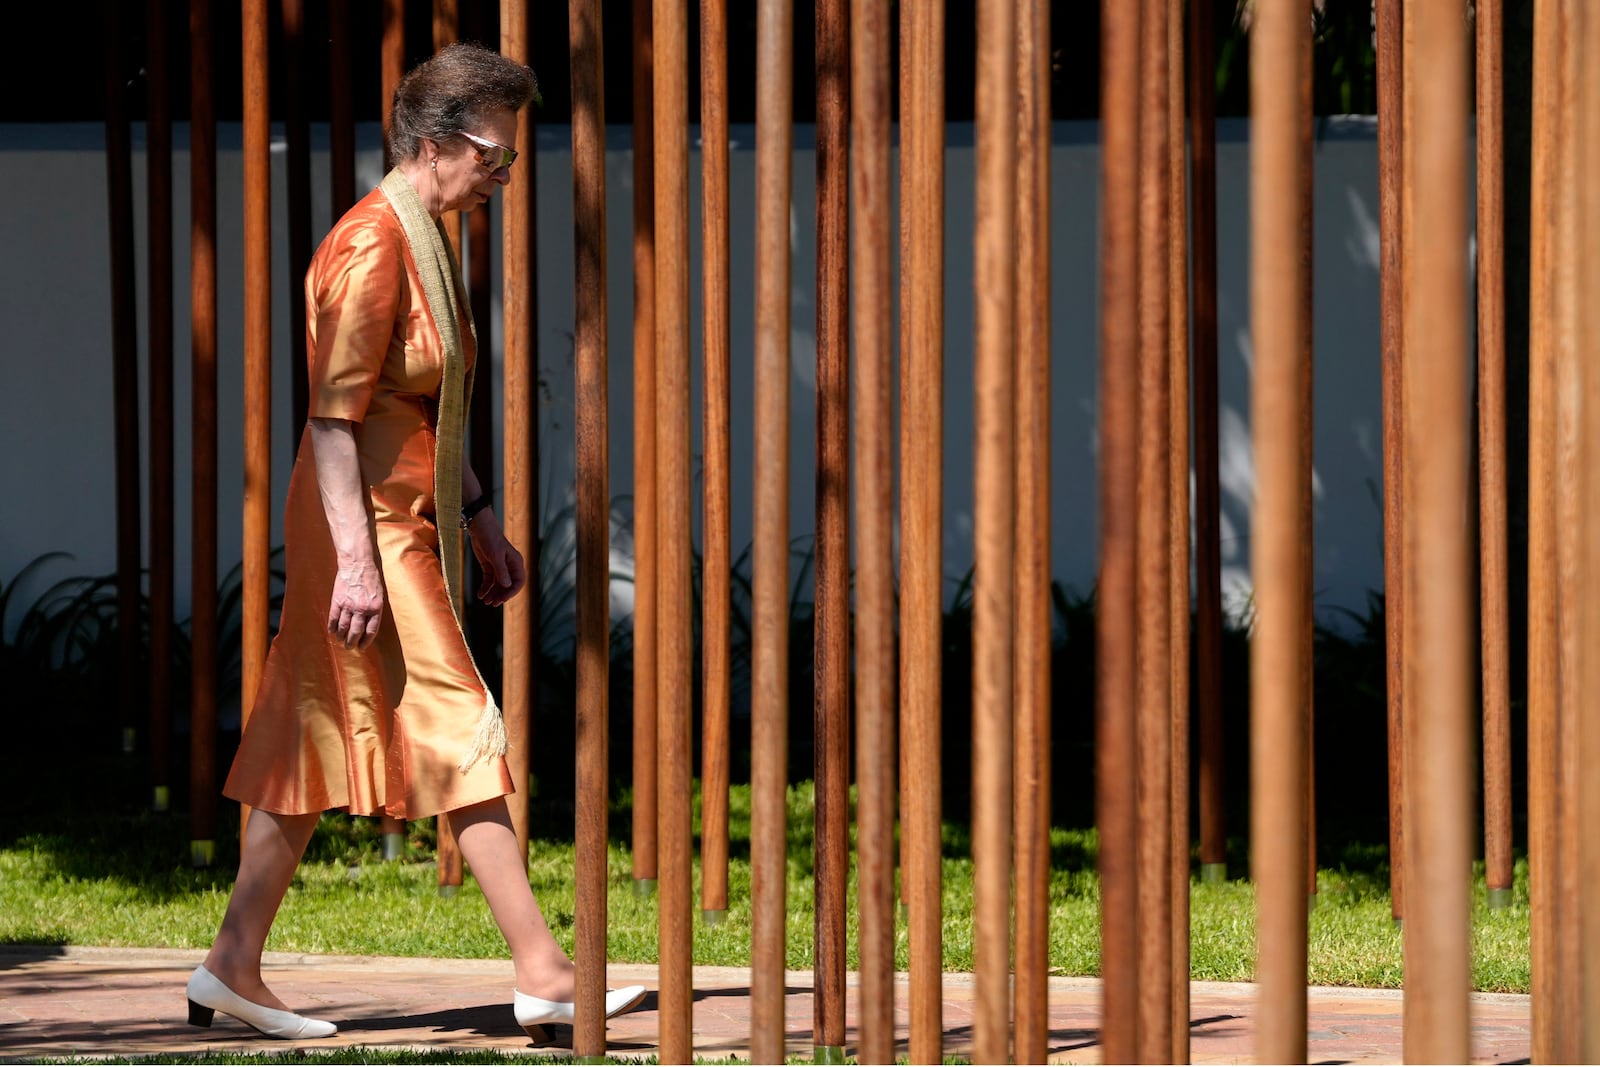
(56, 471)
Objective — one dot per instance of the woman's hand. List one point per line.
(503, 571)
(357, 608)
(355, 611)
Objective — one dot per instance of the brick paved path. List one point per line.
(98, 1001)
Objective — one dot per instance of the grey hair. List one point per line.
(444, 96)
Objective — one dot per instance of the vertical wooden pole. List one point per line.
(1543, 858)
(1587, 210)
(1495, 590)
(593, 522)
(257, 358)
(124, 370)
(1390, 178)
(394, 59)
(1116, 674)
(1153, 582)
(831, 706)
(446, 23)
(644, 454)
(675, 669)
(769, 667)
(203, 437)
(1031, 777)
(519, 301)
(297, 134)
(1439, 692)
(994, 402)
(1566, 299)
(715, 572)
(922, 83)
(874, 448)
(1207, 490)
(1278, 724)
(341, 114)
(158, 183)
(1178, 527)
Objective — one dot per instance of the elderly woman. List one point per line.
(370, 701)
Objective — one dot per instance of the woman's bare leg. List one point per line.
(489, 845)
(273, 845)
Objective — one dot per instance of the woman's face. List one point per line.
(463, 180)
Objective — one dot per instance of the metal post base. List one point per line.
(1499, 899)
(162, 800)
(394, 846)
(1213, 873)
(829, 1054)
(1399, 923)
(590, 1059)
(448, 891)
(713, 916)
(202, 853)
(130, 740)
(644, 887)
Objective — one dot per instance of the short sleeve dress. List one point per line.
(380, 731)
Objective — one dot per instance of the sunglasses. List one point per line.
(492, 155)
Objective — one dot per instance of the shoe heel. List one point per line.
(200, 1015)
(537, 1033)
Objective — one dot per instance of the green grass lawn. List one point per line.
(124, 882)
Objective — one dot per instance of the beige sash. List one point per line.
(441, 283)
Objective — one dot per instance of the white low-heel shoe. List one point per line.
(207, 996)
(534, 1012)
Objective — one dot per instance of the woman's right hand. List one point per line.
(357, 608)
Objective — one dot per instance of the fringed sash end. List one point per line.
(490, 740)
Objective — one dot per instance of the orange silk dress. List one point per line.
(379, 731)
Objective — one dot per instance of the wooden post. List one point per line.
(1178, 529)
(715, 572)
(158, 154)
(1116, 642)
(1278, 723)
(445, 31)
(1439, 693)
(922, 84)
(874, 448)
(769, 666)
(1587, 210)
(1565, 415)
(831, 705)
(1207, 491)
(644, 454)
(1153, 582)
(593, 523)
(341, 115)
(1031, 776)
(257, 206)
(519, 300)
(1390, 178)
(1494, 580)
(203, 437)
(675, 670)
(124, 371)
(994, 402)
(1543, 856)
(394, 58)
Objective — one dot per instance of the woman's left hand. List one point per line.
(503, 571)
